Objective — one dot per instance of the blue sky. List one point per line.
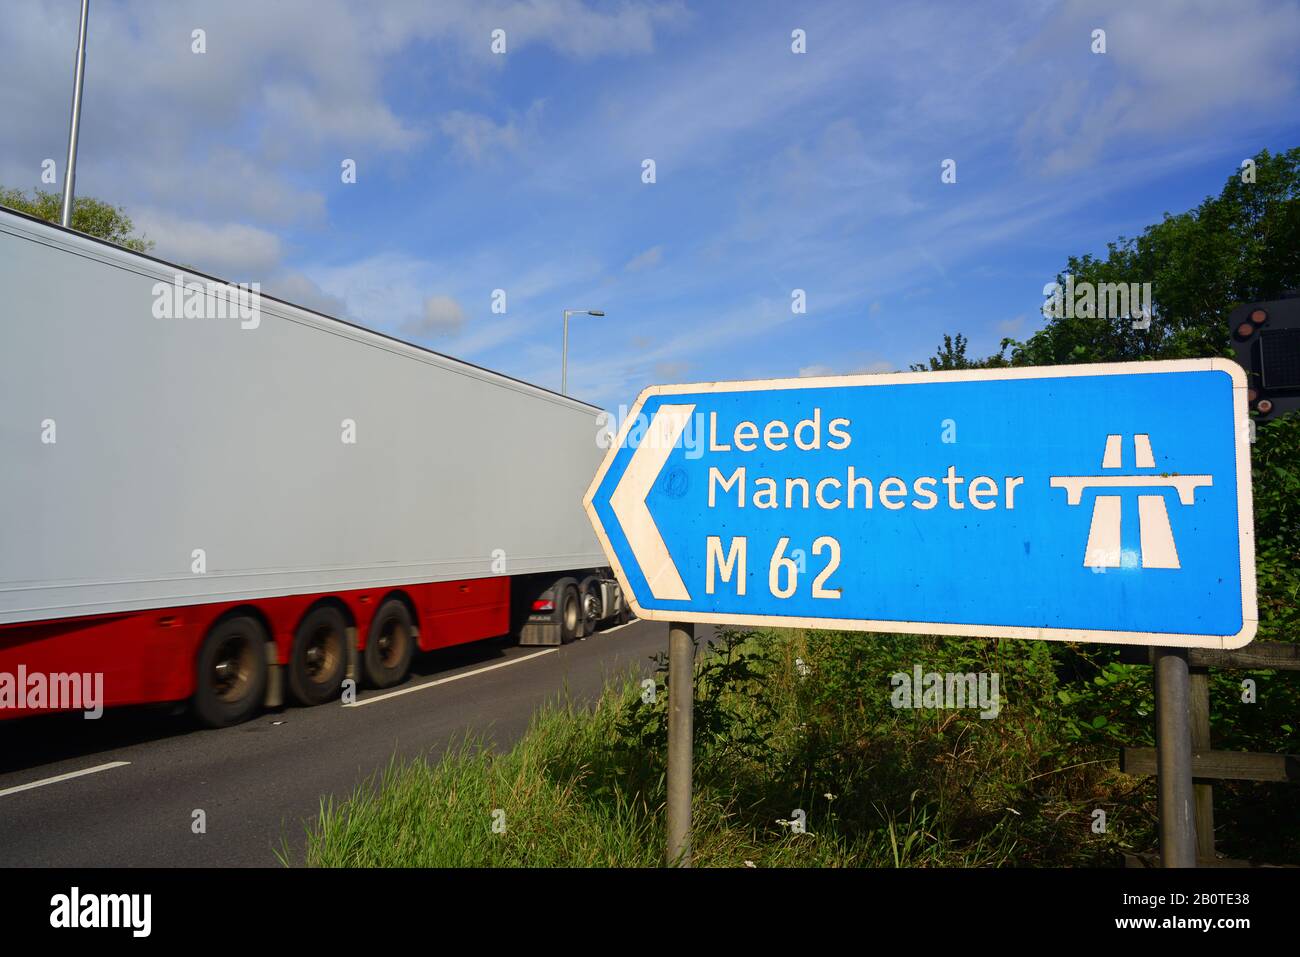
(775, 171)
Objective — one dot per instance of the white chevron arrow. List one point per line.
(628, 502)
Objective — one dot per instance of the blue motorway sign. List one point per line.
(1078, 503)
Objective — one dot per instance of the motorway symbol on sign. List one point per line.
(1078, 503)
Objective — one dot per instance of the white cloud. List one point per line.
(671, 371)
(807, 372)
(232, 183)
(385, 291)
(477, 138)
(230, 251)
(1012, 326)
(390, 291)
(571, 27)
(346, 118)
(871, 368)
(646, 260)
(442, 316)
(1169, 65)
(282, 86)
(301, 290)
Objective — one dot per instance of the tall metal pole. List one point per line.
(564, 353)
(681, 739)
(564, 357)
(1174, 757)
(70, 171)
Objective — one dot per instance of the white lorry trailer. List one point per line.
(208, 494)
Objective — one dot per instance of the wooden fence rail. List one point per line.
(1207, 764)
(1220, 765)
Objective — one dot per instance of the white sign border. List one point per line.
(1245, 507)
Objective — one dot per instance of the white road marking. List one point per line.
(64, 777)
(442, 681)
(469, 674)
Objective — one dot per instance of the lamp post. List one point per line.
(74, 127)
(564, 355)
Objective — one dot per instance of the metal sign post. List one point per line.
(681, 739)
(1174, 757)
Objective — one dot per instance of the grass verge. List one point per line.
(790, 722)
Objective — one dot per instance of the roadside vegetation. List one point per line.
(804, 721)
(89, 215)
(790, 721)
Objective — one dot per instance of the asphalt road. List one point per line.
(260, 783)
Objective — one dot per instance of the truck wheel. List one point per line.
(231, 672)
(391, 644)
(319, 659)
(570, 614)
(592, 610)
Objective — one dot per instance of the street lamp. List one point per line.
(74, 127)
(564, 356)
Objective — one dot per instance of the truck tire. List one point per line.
(569, 609)
(231, 679)
(319, 660)
(390, 645)
(593, 612)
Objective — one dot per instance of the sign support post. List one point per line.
(681, 737)
(1174, 757)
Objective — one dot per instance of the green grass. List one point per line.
(880, 787)
(418, 814)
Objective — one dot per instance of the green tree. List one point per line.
(952, 355)
(91, 216)
(1240, 246)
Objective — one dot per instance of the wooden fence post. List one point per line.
(1203, 793)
